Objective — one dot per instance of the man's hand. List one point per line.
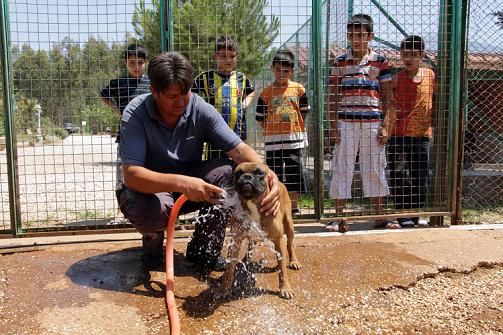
(383, 136)
(198, 190)
(270, 204)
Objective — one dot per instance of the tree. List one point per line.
(499, 16)
(198, 23)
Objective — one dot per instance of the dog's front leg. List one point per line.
(285, 290)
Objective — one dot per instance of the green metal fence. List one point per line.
(482, 195)
(57, 57)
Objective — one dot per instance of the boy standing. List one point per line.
(281, 111)
(361, 117)
(408, 148)
(122, 90)
(228, 90)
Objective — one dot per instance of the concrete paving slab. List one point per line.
(358, 283)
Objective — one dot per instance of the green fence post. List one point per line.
(456, 121)
(167, 36)
(10, 134)
(316, 38)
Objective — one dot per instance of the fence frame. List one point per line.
(451, 53)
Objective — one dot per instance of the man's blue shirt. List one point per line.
(146, 141)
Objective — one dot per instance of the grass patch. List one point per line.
(474, 215)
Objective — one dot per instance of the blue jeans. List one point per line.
(408, 166)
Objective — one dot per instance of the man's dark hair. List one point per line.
(361, 20)
(412, 42)
(226, 42)
(284, 58)
(170, 68)
(136, 50)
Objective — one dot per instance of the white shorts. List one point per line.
(363, 136)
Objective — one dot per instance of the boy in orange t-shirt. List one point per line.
(408, 148)
(281, 111)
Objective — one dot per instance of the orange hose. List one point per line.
(174, 319)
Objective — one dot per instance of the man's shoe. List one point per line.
(152, 262)
(152, 257)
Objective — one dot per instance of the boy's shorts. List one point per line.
(289, 167)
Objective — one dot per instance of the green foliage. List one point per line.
(146, 23)
(66, 79)
(25, 116)
(198, 23)
(97, 118)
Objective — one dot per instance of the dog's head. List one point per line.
(250, 180)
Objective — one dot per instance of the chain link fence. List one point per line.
(483, 140)
(63, 53)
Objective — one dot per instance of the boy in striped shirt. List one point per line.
(361, 118)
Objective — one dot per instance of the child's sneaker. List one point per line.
(296, 212)
(423, 223)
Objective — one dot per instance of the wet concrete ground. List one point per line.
(421, 281)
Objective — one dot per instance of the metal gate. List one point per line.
(57, 169)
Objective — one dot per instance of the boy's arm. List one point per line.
(248, 94)
(388, 104)
(111, 104)
(389, 108)
(333, 132)
(304, 105)
(260, 112)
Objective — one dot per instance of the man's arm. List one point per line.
(144, 180)
(244, 153)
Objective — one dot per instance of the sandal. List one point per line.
(387, 224)
(332, 226)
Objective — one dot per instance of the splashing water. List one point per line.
(231, 204)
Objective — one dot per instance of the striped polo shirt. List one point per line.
(359, 85)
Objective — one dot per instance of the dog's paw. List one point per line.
(286, 293)
(295, 265)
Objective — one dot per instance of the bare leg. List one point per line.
(339, 205)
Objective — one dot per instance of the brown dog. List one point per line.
(252, 185)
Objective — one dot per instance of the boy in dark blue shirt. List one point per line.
(122, 90)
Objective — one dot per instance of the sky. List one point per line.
(42, 23)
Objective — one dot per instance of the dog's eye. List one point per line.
(259, 173)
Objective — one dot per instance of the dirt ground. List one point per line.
(429, 281)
